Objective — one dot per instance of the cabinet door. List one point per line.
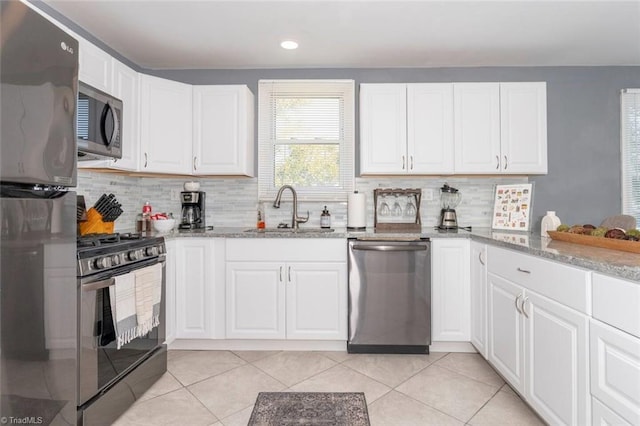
(223, 130)
(523, 127)
(477, 127)
(126, 88)
(479, 297)
(170, 295)
(505, 338)
(430, 128)
(450, 290)
(615, 370)
(194, 291)
(94, 66)
(383, 128)
(557, 368)
(316, 301)
(165, 126)
(255, 300)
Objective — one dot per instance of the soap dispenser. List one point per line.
(325, 218)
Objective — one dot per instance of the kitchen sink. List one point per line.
(289, 230)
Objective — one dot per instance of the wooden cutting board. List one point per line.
(588, 240)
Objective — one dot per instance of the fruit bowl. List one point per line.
(163, 225)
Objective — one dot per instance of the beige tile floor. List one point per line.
(212, 388)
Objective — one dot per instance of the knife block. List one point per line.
(94, 224)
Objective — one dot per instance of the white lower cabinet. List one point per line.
(199, 262)
(540, 346)
(615, 371)
(286, 289)
(450, 290)
(478, 297)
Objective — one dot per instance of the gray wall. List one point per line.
(583, 110)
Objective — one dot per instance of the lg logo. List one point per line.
(66, 48)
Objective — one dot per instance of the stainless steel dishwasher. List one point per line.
(389, 296)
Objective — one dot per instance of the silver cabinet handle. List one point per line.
(524, 271)
(518, 307)
(289, 274)
(195, 159)
(145, 159)
(411, 158)
(480, 257)
(505, 162)
(523, 310)
(403, 162)
(497, 162)
(281, 274)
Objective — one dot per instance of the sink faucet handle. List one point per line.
(300, 219)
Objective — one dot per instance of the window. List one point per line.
(306, 138)
(630, 150)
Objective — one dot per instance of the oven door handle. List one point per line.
(388, 247)
(98, 284)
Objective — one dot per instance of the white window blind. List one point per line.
(306, 138)
(630, 150)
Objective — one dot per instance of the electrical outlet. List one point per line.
(428, 194)
(175, 195)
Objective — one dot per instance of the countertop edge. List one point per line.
(609, 262)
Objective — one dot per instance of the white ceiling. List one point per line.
(214, 34)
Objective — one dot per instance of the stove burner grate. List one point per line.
(95, 240)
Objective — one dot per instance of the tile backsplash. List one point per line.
(234, 201)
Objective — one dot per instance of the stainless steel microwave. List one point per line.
(99, 124)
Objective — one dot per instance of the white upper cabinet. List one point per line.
(383, 128)
(95, 66)
(500, 128)
(165, 126)
(523, 127)
(406, 128)
(126, 88)
(477, 127)
(430, 128)
(223, 140)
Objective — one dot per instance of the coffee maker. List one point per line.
(192, 210)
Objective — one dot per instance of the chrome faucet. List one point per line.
(295, 219)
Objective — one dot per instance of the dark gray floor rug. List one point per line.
(310, 408)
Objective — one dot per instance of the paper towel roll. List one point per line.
(356, 211)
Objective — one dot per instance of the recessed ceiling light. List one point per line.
(289, 45)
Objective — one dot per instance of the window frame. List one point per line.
(630, 198)
(343, 88)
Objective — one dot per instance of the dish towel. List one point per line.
(123, 308)
(148, 297)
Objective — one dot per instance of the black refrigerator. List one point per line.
(38, 285)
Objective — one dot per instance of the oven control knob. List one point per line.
(151, 251)
(134, 255)
(115, 260)
(102, 262)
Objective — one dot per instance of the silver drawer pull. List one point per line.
(523, 310)
(518, 307)
(524, 271)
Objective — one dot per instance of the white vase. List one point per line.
(549, 223)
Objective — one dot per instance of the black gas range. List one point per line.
(104, 252)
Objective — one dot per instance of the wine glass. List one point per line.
(396, 210)
(384, 208)
(410, 209)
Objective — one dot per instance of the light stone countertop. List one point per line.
(610, 262)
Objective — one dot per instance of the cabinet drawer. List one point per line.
(617, 302)
(562, 283)
(615, 370)
(605, 416)
(288, 249)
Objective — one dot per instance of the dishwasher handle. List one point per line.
(391, 247)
